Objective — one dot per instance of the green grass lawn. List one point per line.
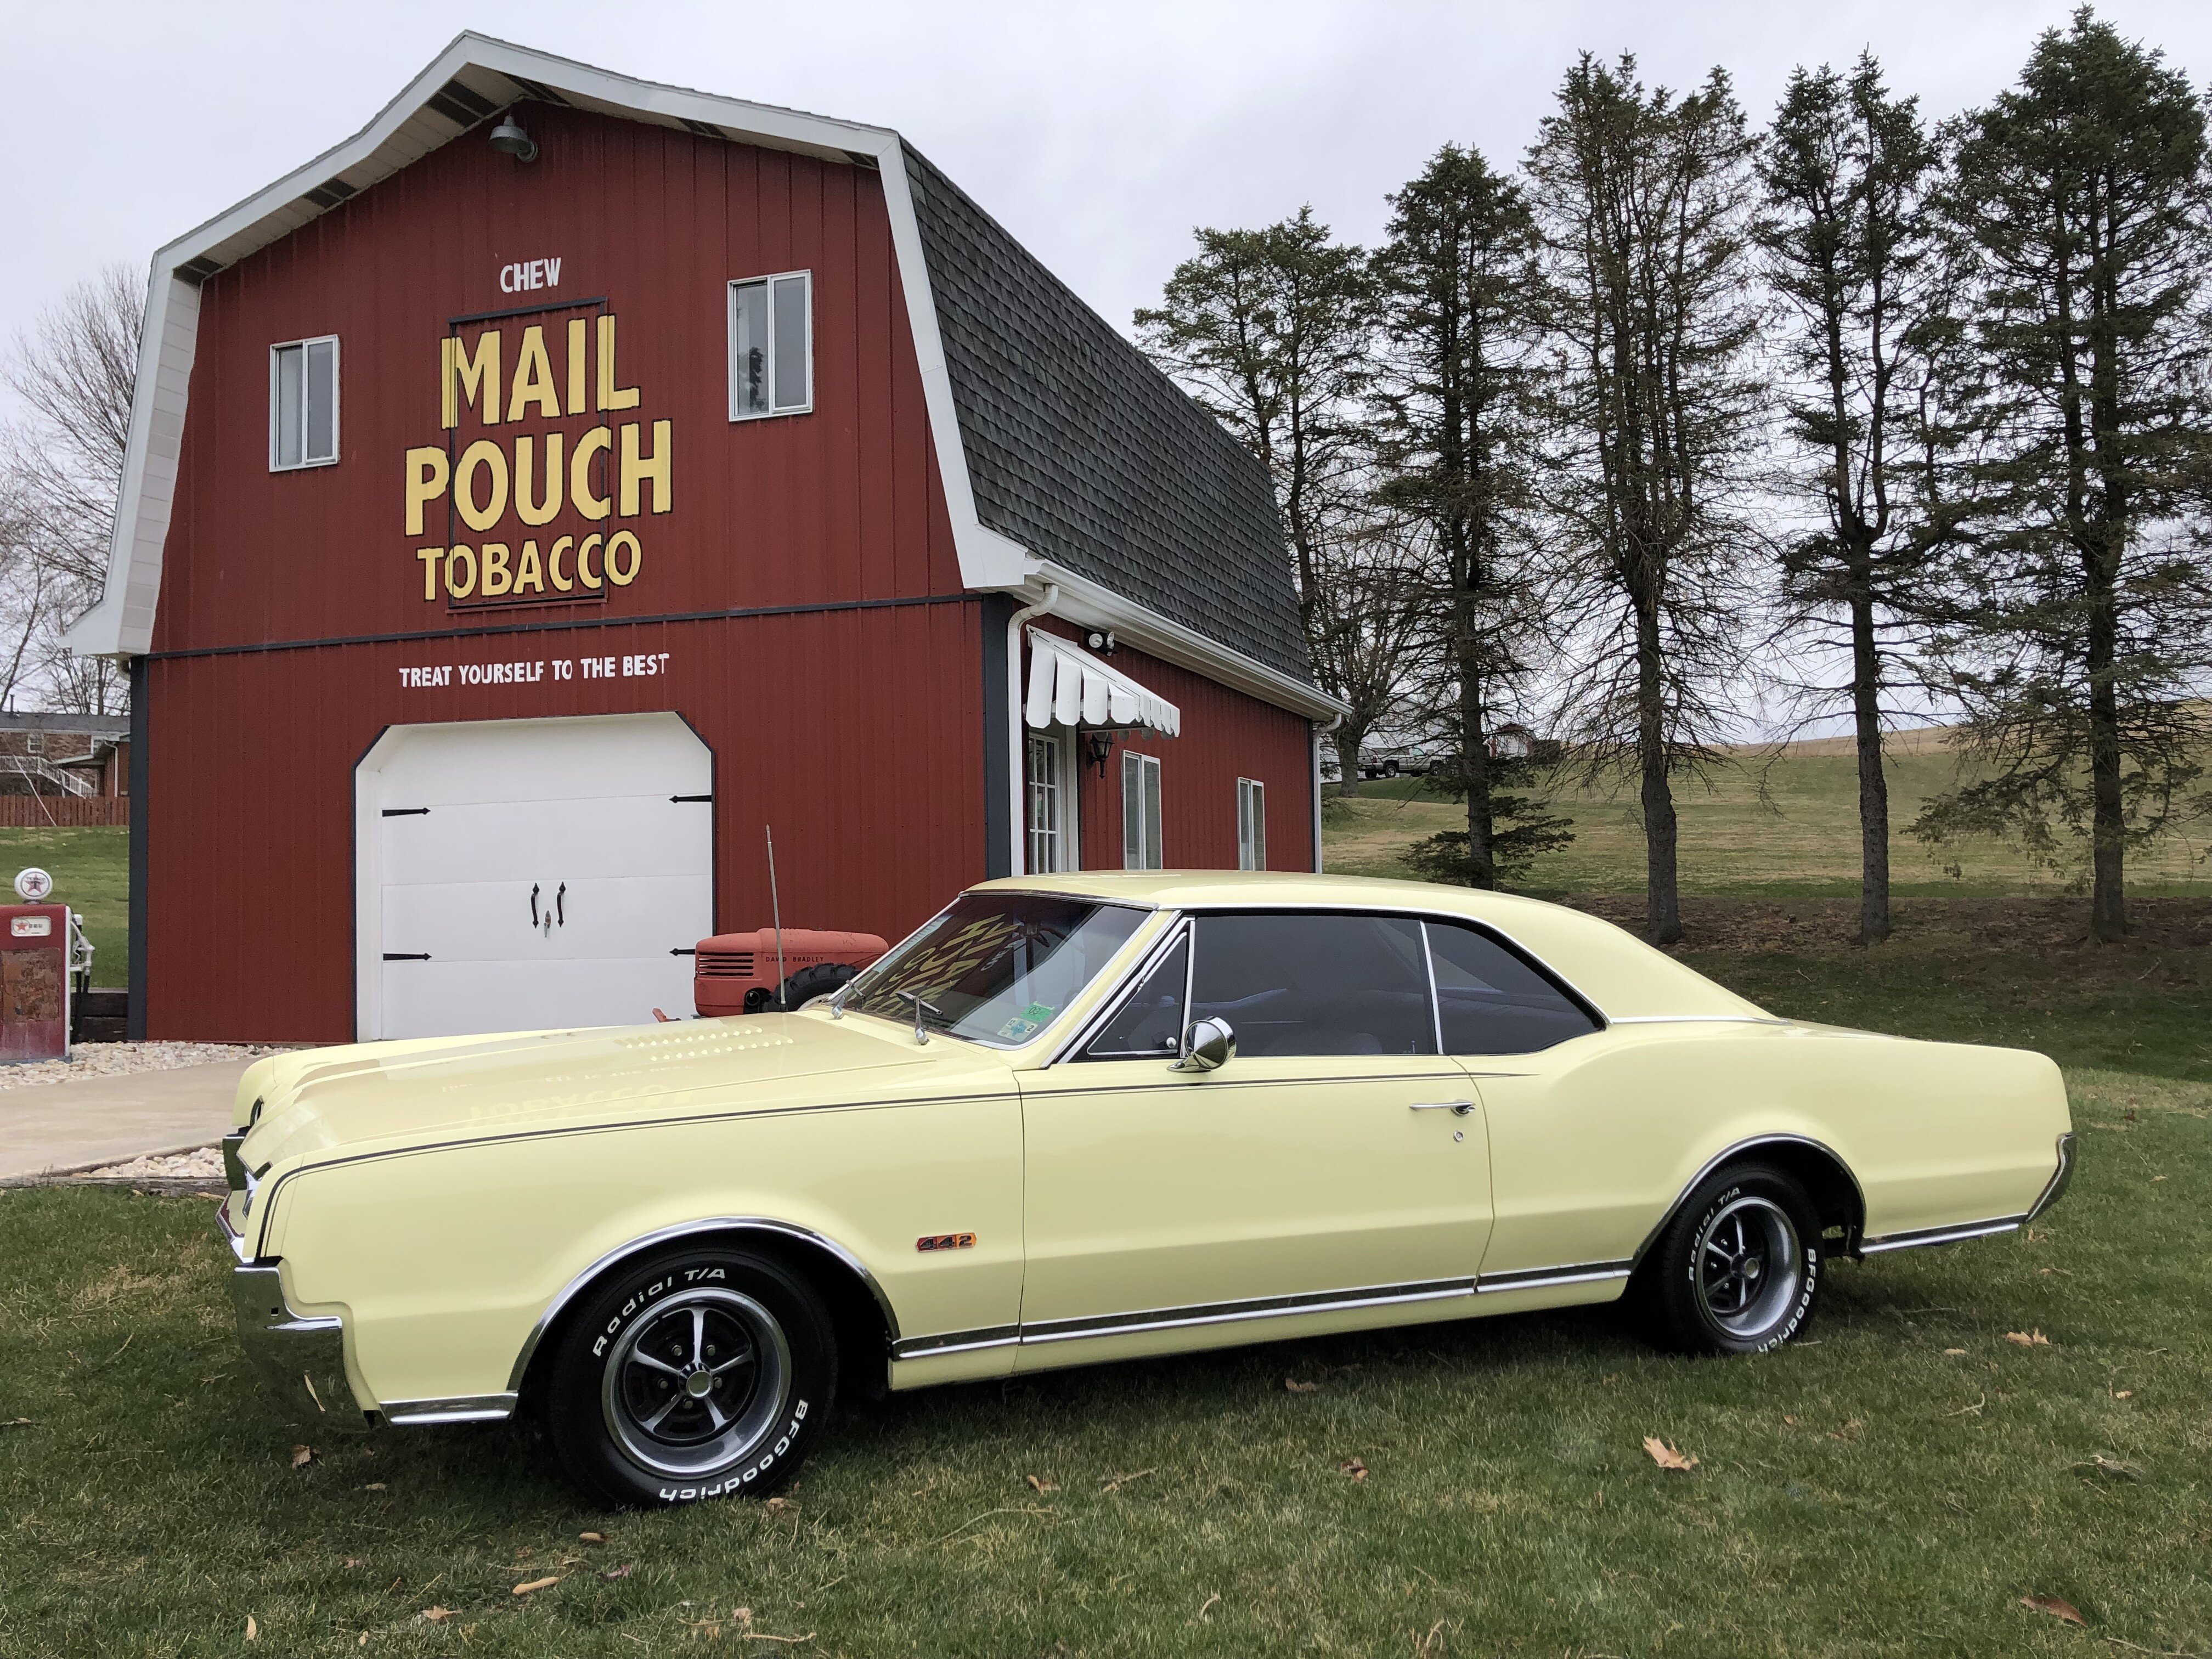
(91, 870)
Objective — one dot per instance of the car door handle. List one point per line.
(1456, 1107)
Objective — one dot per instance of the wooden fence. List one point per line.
(65, 811)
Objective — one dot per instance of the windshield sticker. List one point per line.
(1026, 1023)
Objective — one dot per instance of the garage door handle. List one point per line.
(559, 901)
(533, 904)
(407, 956)
(684, 798)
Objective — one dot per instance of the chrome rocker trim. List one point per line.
(727, 1223)
(1533, 1278)
(1958, 1235)
(1269, 1307)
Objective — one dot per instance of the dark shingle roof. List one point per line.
(1087, 455)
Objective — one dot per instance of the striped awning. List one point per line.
(1068, 686)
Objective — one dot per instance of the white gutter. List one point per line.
(1017, 751)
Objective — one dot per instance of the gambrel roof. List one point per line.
(1067, 458)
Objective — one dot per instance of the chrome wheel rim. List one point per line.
(1748, 1266)
(697, 1382)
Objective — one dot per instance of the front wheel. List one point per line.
(1738, 1270)
(700, 1374)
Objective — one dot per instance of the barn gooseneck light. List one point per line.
(511, 138)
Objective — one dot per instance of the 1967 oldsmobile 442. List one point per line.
(1080, 1118)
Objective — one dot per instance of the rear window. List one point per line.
(1491, 1002)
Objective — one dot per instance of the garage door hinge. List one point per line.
(684, 798)
(407, 956)
(684, 951)
(407, 811)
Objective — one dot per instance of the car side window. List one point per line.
(1149, 1026)
(1489, 1001)
(1314, 983)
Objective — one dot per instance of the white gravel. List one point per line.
(120, 1059)
(174, 1166)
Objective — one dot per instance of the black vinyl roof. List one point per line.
(1087, 455)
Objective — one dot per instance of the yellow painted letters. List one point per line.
(426, 481)
(610, 397)
(635, 468)
(537, 513)
(476, 375)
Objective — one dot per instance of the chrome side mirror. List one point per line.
(1208, 1045)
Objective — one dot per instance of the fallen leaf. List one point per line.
(2125, 1394)
(1790, 1421)
(353, 1561)
(253, 1630)
(16, 1423)
(1040, 1484)
(1297, 1386)
(1354, 1467)
(1954, 1351)
(2056, 1607)
(373, 1485)
(621, 1571)
(364, 1640)
(592, 1537)
(301, 1456)
(437, 1615)
(1666, 1456)
(1121, 1480)
(535, 1584)
(2027, 1338)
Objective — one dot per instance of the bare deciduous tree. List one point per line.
(73, 372)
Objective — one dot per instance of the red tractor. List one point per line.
(737, 973)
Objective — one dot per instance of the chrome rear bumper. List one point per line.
(301, 1359)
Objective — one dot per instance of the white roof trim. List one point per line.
(411, 126)
(1068, 686)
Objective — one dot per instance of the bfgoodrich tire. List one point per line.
(1738, 1268)
(703, 1373)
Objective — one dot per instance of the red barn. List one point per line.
(567, 476)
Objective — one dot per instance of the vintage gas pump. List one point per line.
(41, 944)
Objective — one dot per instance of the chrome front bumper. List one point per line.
(301, 1359)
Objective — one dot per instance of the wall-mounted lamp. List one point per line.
(514, 140)
(1101, 745)
(1100, 641)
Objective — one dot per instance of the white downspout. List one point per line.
(1319, 733)
(1017, 817)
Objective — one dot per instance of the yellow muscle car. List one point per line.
(1080, 1118)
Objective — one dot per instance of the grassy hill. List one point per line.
(1764, 824)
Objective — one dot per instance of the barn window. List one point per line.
(772, 345)
(1140, 812)
(1251, 824)
(303, 403)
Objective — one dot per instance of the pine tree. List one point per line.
(1851, 251)
(2080, 213)
(1456, 282)
(1643, 200)
(1271, 330)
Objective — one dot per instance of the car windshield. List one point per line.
(996, 968)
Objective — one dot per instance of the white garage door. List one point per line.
(516, 874)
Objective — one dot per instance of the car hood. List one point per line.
(450, 1089)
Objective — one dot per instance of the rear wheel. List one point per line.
(1738, 1270)
(701, 1374)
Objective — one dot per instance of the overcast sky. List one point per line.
(1099, 134)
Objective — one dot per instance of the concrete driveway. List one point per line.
(90, 1122)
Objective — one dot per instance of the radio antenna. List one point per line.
(776, 910)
